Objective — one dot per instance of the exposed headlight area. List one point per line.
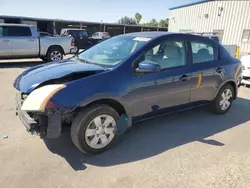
(38, 99)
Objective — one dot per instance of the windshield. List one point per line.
(113, 51)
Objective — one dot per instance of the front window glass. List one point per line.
(168, 54)
(83, 33)
(113, 51)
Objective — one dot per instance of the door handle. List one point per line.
(6, 40)
(31, 40)
(219, 70)
(184, 78)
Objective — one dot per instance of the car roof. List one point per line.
(155, 34)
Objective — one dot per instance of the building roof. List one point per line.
(72, 21)
(189, 4)
(12, 24)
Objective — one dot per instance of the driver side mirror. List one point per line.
(148, 66)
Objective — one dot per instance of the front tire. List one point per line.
(223, 101)
(94, 129)
(55, 54)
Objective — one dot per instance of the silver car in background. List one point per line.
(23, 41)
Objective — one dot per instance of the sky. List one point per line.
(90, 10)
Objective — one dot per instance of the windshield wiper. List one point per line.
(83, 60)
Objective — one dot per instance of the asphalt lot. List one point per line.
(193, 149)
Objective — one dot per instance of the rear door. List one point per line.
(207, 70)
(83, 34)
(80, 37)
(22, 41)
(5, 43)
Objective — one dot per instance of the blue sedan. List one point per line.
(105, 89)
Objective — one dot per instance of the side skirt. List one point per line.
(168, 111)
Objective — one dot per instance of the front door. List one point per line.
(171, 85)
(207, 71)
(5, 43)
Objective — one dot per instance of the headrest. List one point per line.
(203, 52)
(171, 51)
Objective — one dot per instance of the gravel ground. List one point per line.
(191, 149)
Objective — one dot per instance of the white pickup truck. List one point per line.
(23, 41)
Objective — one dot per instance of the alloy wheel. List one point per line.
(55, 56)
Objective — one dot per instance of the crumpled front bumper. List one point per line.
(35, 126)
(30, 123)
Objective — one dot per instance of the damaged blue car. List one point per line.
(128, 78)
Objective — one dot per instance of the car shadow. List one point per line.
(20, 64)
(152, 137)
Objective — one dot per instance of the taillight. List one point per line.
(72, 42)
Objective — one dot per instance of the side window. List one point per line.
(16, 31)
(3, 31)
(168, 54)
(83, 33)
(202, 52)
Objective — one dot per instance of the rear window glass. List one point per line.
(202, 52)
(17, 31)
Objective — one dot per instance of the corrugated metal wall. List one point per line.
(234, 18)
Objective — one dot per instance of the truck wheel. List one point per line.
(55, 54)
(223, 101)
(94, 129)
(76, 50)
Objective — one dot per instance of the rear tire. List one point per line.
(223, 101)
(55, 54)
(92, 135)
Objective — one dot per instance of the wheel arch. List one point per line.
(233, 84)
(115, 104)
(55, 46)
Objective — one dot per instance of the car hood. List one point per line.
(35, 76)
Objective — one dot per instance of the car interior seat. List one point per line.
(172, 57)
(203, 55)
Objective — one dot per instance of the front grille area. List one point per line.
(23, 97)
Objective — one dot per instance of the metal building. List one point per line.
(228, 19)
